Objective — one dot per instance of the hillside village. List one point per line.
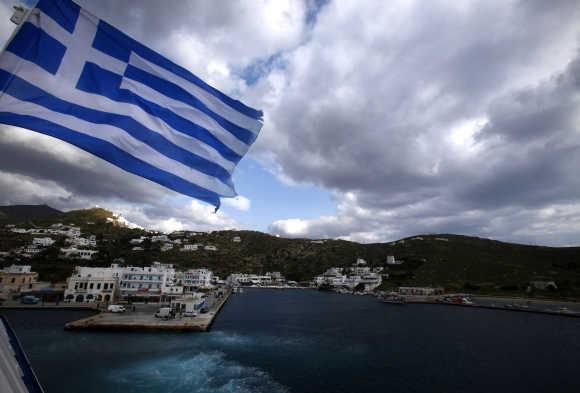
(55, 245)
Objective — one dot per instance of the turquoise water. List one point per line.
(308, 341)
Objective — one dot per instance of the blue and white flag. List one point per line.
(75, 77)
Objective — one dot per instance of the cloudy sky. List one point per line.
(383, 119)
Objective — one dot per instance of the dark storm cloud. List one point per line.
(454, 117)
(81, 175)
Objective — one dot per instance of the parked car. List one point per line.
(29, 299)
(117, 308)
(163, 312)
(189, 313)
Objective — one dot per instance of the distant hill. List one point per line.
(458, 263)
(21, 213)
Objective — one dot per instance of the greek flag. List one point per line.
(70, 75)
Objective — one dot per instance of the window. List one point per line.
(98, 285)
(91, 286)
(106, 286)
(13, 280)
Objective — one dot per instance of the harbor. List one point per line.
(264, 338)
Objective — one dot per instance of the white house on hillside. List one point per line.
(43, 241)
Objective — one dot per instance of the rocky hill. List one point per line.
(455, 262)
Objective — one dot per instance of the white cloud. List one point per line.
(239, 202)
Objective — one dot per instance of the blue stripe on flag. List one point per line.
(112, 40)
(112, 154)
(36, 46)
(107, 41)
(97, 80)
(65, 13)
(174, 91)
(25, 91)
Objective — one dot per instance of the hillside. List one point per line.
(23, 213)
(455, 262)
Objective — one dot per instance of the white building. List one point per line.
(16, 269)
(197, 278)
(43, 241)
(91, 241)
(190, 247)
(358, 273)
(237, 239)
(31, 249)
(137, 248)
(166, 247)
(210, 248)
(88, 284)
(152, 281)
(159, 238)
(244, 279)
(70, 231)
(137, 240)
(392, 261)
(75, 253)
(333, 277)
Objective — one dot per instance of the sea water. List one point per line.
(308, 341)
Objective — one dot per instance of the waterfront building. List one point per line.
(150, 282)
(420, 291)
(88, 284)
(43, 241)
(244, 279)
(358, 273)
(190, 304)
(332, 277)
(276, 278)
(16, 278)
(197, 278)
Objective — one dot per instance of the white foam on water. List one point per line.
(232, 340)
(205, 372)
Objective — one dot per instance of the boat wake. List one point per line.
(205, 372)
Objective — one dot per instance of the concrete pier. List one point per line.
(143, 318)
